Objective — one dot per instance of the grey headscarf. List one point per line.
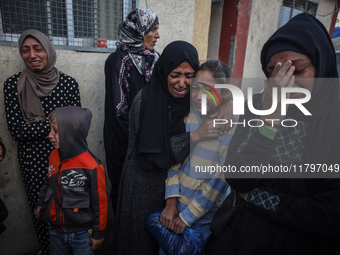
(33, 85)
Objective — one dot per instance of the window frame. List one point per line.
(71, 42)
(294, 11)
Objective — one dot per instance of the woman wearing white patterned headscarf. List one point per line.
(127, 70)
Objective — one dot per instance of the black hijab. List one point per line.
(156, 128)
(306, 35)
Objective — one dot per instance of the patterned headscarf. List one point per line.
(33, 85)
(131, 32)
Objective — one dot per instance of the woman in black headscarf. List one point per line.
(127, 70)
(157, 140)
(296, 215)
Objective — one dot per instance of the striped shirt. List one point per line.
(199, 191)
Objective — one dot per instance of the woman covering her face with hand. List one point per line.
(289, 215)
(30, 96)
(127, 70)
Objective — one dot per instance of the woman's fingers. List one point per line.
(291, 81)
(281, 70)
(287, 77)
(277, 68)
(281, 75)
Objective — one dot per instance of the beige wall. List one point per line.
(264, 22)
(326, 12)
(88, 70)
(215, 31)
(182, 20)
(201, 27)
(337, 23)
(260, 29)
(176, 20)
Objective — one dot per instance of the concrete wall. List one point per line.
(187, 20)
(176, 20)
(215, 31)
(325, 12)
(201, 27)
(260, 30)
(88, 70)
(264, 22)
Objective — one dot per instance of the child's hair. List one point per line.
(52, 117)
(219, 70)
(216, 67)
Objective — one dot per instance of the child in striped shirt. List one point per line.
(193, 193)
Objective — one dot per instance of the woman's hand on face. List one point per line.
(205, 131)
(178, 226)
(169, 213)
(225, 112)
(282, 76)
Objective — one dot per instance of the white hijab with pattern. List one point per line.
(138, 23)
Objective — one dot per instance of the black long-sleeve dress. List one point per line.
(297, 214)
(34, 146)
(283, 215)
(141, 192)
(122, 83)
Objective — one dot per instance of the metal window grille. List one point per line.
(291, 8)
(84, 25)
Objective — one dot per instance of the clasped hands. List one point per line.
(170, 218)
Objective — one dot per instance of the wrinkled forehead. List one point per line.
(39, 37)
(29, 38)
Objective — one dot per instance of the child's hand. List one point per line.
(206, 131)
(96, 243)
(225, 112)
(37, 212)
(178, 226)
(169, 213)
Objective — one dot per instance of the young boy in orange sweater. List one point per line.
(74, 198)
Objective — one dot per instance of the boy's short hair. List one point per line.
(217, 68)
(52, 117)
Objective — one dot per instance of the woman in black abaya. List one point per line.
(127, 70)
(289, 215)
(157, 140)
